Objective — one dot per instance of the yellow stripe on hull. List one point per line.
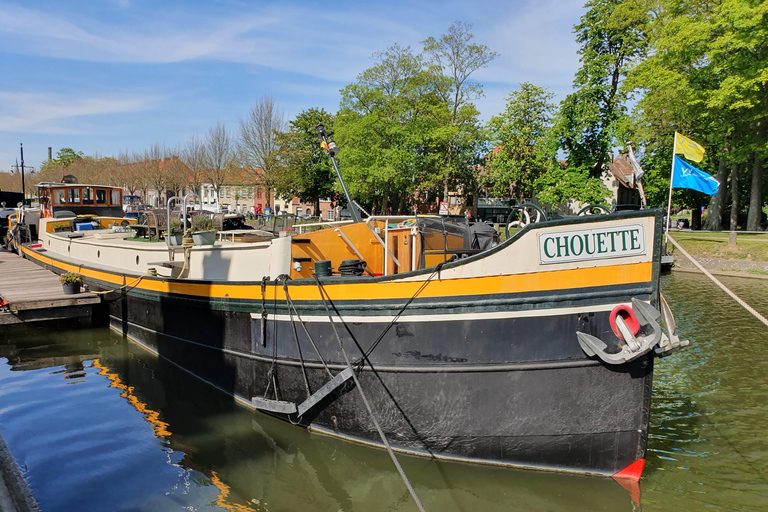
(506, 284)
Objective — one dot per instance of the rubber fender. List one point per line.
(628, 315)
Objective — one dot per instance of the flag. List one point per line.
(636, 169)
(690, 149)
(684, 175)
(324, 145)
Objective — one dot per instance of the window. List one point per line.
(58, 197)
(329, 214)
(115, 198)
(101, 196)
(87, 198)
(73, 195)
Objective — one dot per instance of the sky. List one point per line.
(111, 76)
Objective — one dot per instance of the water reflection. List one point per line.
(137, 433)
(707, 443)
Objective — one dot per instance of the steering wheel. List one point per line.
(594, 209)
(525, 217)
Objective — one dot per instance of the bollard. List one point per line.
(732, 238)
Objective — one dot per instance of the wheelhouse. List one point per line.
(71, 199)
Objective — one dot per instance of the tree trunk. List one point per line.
(716, 202)
(735, 197)
(756, 196)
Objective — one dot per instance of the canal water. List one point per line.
(99, 424)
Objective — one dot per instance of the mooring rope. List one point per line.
(718, 283)
(368, 405)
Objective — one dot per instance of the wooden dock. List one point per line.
(35, 294)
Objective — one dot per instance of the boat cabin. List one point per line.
(59, 200)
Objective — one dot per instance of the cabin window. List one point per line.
(101, 196)
(73, 195)
(87, 198)
(58, 197)
(115, 199)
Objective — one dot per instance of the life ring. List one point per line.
(626, 314)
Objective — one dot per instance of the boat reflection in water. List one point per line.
(220, 454)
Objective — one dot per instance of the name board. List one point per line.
(591, 244)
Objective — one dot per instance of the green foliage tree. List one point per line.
(611, 34)
(407, 124)
(706, 78)
(521, 151)
(385, 129)
(64, 158)
(452, 59)
(305, 168)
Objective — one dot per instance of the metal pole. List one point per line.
(669, 201)
(23, 190)
(352, 207)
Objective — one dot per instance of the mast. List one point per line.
(327, 143)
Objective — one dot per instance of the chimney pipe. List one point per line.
(50, 155)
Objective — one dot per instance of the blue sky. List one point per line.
(106, 76)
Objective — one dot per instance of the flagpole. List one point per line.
(669, 201)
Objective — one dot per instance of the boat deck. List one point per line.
(34, 294)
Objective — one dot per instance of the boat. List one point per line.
(413, 331)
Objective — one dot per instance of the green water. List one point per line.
(98, 424)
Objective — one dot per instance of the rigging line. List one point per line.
(368, 352)
(718, 283)
(271, 373)
(368, 405)
(304, 327)
(296, 337)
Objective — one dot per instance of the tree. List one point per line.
(64, 158)
(519, 136)
(258, 142)
(193, 156)
(220, 156)
(384, 129)
(706, 78)
(305, 168)
(611, 34)
(452, 59)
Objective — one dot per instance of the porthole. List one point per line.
(137, 260)
(98, 254)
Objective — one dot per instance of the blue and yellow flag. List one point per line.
(684, 175)
(688, 148)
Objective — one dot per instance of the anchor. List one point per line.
(642, 317)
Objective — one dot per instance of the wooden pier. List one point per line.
(35, 294)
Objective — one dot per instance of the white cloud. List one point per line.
(304, 40)
(44, 113)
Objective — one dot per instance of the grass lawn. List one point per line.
(705, 244)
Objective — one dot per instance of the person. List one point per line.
(469, 215)
(391, 211)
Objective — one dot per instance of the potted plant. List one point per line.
(202, 230)
(71, 282)
(174, 234)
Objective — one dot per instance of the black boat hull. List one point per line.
(513, 391)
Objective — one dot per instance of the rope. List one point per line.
(359, 363)
(306, 332)
(718, 283)
(126, 285)
(368, 405)
(296, 338)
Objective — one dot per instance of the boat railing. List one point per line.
(371, 222)
(303, 228)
